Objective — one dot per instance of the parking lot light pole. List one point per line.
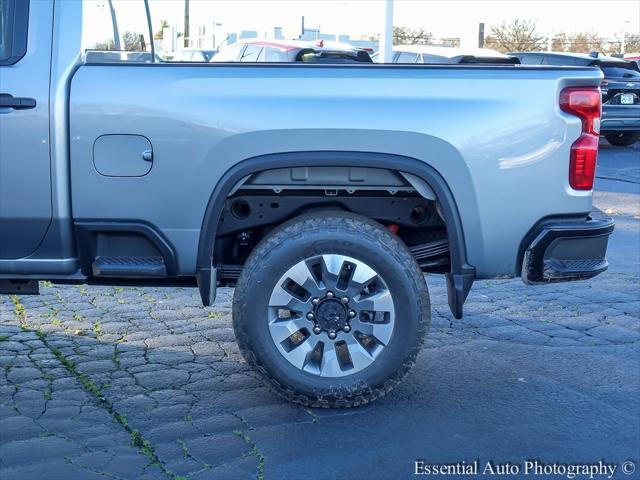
(386, 37)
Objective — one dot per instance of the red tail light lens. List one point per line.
(582, 165)
(584, 103)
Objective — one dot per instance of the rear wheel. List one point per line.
(622, 139)
(331, 310)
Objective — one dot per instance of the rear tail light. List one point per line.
(582, 166)
(584, 103)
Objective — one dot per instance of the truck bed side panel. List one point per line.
(496, 135)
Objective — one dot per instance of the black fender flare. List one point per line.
(459, 280)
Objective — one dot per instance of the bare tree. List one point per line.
(631, 44)
(133, 42)
(410, 36)
(560, 42)
(108, 44)
(581, 42)
(517, 35)
(586, 42)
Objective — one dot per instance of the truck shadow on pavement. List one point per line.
(146, 383)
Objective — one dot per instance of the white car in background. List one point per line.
(447, 55)
(194, 55)
(283, 51)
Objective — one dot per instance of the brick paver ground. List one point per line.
(146, 383)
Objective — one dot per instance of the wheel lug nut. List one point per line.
(346, 328)
(330, 295)
(352, 313)
(332, 335)
(315, 301)
(317, 330)
(310, 316)
(344, 299)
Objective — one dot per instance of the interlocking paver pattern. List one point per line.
(146, 383)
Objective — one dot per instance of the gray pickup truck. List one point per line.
(323, 192)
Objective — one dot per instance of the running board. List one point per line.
(129, 267)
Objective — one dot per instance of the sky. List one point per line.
(441, 17)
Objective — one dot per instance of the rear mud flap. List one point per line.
(458, 287)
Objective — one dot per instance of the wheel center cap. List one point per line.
(331, 314)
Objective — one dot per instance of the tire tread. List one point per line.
(300, 226)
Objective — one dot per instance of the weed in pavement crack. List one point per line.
(137, 439)
(254, 448)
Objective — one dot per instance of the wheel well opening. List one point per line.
(260, 202)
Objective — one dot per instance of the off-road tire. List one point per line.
(340, 233)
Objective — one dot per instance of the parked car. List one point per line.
(447, 55)
(633, 57)
(292, 51)
(194, 55)
(620, 90)
(323, 194)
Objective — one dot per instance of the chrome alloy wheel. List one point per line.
(331, 315)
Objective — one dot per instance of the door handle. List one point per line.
(17, 103)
